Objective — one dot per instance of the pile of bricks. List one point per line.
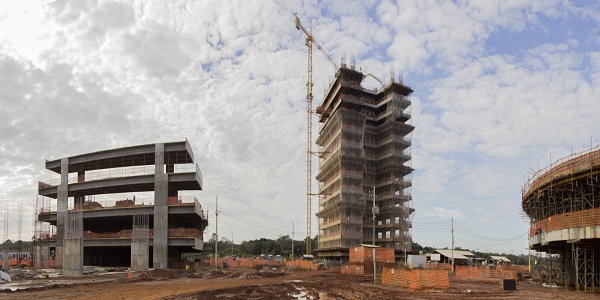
(415, 279)
(353, 269)
(124, 203)
(302, 264)
(184, 232)
(361, 259)
(365, 254)
(87, 205)
(125, 233)
(305, 264)
(245, 262)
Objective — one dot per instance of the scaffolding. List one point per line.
(365, 148)
(562, 202)
(548, 268)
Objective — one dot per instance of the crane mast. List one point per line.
(309, 98)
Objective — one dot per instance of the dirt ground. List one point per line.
(251, 284)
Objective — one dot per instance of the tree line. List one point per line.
(283, 246)
(263, 246)
(280, 246)
(16, 245)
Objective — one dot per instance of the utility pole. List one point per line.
(374, 210)
(405, 246)
(232, 245)
(217, 232)
(292, 241)
(529, 259)
(452, 244)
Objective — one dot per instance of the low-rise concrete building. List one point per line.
(498, 260)
(461, 257)
(127, 232)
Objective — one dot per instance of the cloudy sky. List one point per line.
(501, 88)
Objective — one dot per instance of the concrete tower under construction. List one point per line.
(364, 142)
(562, 202)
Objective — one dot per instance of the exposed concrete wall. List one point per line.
(139, 256)
(198, 244)
(568, 234)
(73, 257)
(62, 206)
(161, 211)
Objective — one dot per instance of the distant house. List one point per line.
(498, 260)
(461, 257)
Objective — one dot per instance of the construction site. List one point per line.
(74, 227)
(122, 223)
(299, 279)
(562, 202)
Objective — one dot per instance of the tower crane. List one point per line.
(310, 40)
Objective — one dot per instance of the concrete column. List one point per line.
(161, 211)
(570, 266)
(5, 260)
(45, 255)
(37, 256)
(73, 261)
(139, 256)
(139, 243)
(62, 206)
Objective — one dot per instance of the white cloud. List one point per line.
(230, 76)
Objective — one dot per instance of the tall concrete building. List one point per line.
(364, 144)
(141, 233)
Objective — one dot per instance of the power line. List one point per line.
(260, 226)
(432, 223)
(483, 237)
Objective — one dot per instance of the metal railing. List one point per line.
(121, 172)
(562, 164)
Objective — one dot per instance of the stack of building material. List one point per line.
(124, 203)
(364, 253)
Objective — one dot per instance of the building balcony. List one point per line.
(182, 205)
(189, 178)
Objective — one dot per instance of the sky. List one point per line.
(501, 89)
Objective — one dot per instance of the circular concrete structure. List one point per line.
(562, 202)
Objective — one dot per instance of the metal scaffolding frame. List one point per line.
(587, 264)
(565, 197)
(364, 144)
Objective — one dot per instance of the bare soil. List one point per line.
(252, 284)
